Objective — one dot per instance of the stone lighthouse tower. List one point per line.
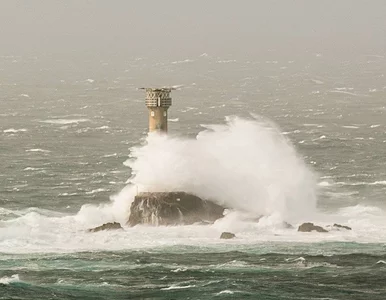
(158, 101)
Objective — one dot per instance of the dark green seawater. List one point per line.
(265, 271)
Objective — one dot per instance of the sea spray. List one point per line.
(244, 164)
(8, 280)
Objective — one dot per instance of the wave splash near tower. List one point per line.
(244, 164)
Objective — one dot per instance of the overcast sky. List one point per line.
(242, 27)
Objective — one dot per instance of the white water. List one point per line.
(13, 130)
(43, 231)
(8, 280)
(64, 121)
(245, 164)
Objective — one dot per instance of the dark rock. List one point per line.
(106, 226)
(341, 226)
(308, 227)
(227, 235)
(172, 208)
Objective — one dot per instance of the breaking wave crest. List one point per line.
(244, 164)
(8, 280)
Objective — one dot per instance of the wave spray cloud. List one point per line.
(244, 164)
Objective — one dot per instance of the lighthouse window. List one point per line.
(152, 113)
(164, 113)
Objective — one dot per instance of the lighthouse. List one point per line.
(167, 208)
(158, 101)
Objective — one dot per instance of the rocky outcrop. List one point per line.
(106, 226)
(308, 227)
(338, 226)
(172, 208)
(227, 235)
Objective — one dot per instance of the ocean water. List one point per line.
(300, 139)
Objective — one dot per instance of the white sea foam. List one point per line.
(66, 116)
(188, 109)
(96, 191)
(67, 194)
(32, 169)
(350, 127)
(299, 259)
(182, 61)
(174, 120)
(313, 125)
(110, 155)
(7, 280)
(38, 150)
(225, 292)
(13, 130)
(226, 61)
(64, 121)
(348, 93)
(381, 182)
(178, 270)
(177, 287)
(324, 183)
(36, 230)
(361, 211)
(344, 89)
(4, 211)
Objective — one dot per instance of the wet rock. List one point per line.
(308, 227)
(106, 226)
(338, 226)
(227, 235)
(172, 208)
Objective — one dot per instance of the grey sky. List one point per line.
(243, 27)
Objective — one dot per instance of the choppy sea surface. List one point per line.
(73, 131)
